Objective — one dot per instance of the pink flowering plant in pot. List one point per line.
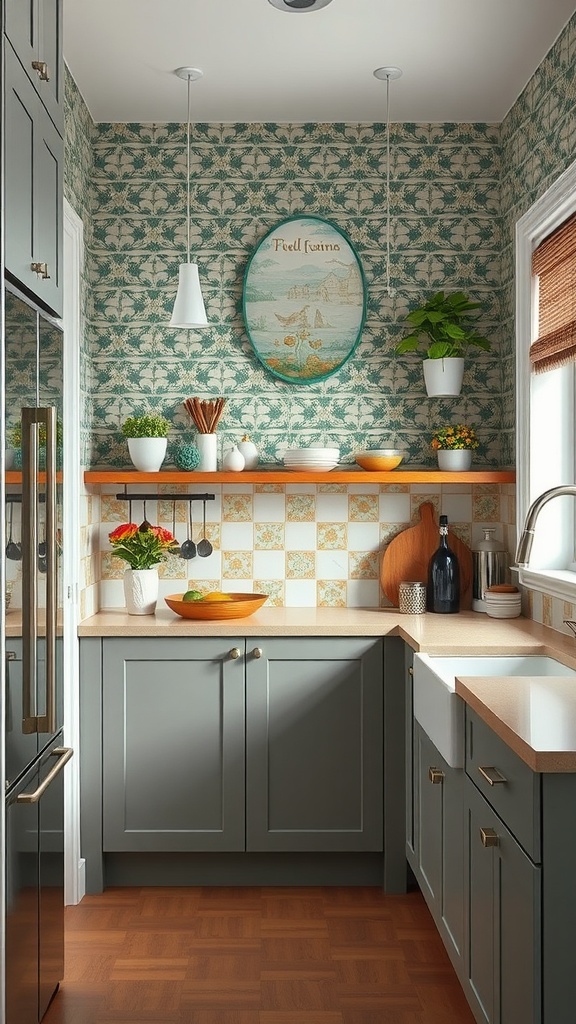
(143, 547)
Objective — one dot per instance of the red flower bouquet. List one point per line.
(141, 548)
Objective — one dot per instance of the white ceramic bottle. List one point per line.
(250, 452)
(233, 461)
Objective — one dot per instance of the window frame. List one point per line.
(544, 216)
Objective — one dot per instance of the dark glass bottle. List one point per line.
(443, 576)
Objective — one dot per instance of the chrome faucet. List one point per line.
(525, 543)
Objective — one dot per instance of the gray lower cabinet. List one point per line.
(503, 923)
(173, 745)
(232, 745)
(34, 166)
(314, 744)
(439, 851)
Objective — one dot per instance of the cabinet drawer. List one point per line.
(507, 783)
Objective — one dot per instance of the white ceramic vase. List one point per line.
(443, 377)
(233, 461)
(147, 453)
(454, 460)
(207, 445)
(141, 591)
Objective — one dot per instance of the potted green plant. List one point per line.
(147, 440)
(14, 437)
(454, 447)
(445, 326)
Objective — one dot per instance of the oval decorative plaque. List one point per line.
(304, 299)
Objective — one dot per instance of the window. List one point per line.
(546, 401)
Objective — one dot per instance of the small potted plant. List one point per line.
(454, 447)
(147, 437)
(446, 327)
(15, 449)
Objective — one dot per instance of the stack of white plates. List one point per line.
(311, 460)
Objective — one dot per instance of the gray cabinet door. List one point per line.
(440, 846)
(33, 189)
(314, 744)
(173, 752)
(34, 28)
(503, 968)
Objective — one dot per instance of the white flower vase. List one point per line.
(443, 377)
(454, 460)
(147, 453)
(141, 591)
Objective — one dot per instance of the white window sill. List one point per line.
(555, 582)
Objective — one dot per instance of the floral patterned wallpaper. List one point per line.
(245, 179)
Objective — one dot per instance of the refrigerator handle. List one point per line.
(29, 528)
(63, 754)
(47, 722)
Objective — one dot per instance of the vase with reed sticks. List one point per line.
(206, 415)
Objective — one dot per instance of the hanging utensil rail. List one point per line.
(124, 496)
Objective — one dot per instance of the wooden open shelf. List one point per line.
(282, 476)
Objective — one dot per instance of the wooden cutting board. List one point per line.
(408, 555)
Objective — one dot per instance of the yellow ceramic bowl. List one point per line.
(381, 460)
(238, 607)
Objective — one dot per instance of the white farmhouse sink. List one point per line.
(439, 709)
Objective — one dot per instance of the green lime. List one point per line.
(192, 595)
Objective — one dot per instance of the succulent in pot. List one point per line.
(444, 327)
(147, 440)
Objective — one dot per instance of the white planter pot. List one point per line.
(147, 453)
(454, 460)
(443, 377)
(141, 591)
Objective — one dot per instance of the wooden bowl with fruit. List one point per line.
(215, 604)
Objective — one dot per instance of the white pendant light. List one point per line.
(299, 6)
(387, 75)
(189, 310)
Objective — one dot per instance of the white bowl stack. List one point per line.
(314, 459)
(503, 602)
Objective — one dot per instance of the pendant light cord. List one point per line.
(388, 184)
(188, 174)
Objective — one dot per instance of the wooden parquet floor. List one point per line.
(255, 956)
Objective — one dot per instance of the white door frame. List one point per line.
(74, 873)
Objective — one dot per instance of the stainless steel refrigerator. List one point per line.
(34, 750)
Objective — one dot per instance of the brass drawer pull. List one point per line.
(257, 652)
(436, 776)
(235, 653)
(41, 269)
(492, 776)
(489, 837)
(41, 67)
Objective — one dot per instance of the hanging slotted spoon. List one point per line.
(188, 549)
(204, 547)
(13, 550)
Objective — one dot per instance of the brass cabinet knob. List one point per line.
(235, 653)
(489, 837)
(41, 269)
(436, 776)
(257, 652)
(42, 68)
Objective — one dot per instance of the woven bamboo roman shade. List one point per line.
(554, 261)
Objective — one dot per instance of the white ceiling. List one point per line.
(462, 60)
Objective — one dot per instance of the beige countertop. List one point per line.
(535, 716)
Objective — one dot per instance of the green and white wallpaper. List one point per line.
(457, 191)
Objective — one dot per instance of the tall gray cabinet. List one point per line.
(34, 149)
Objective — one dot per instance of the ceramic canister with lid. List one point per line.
(490, 560)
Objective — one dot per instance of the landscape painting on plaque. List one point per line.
(304, 299)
